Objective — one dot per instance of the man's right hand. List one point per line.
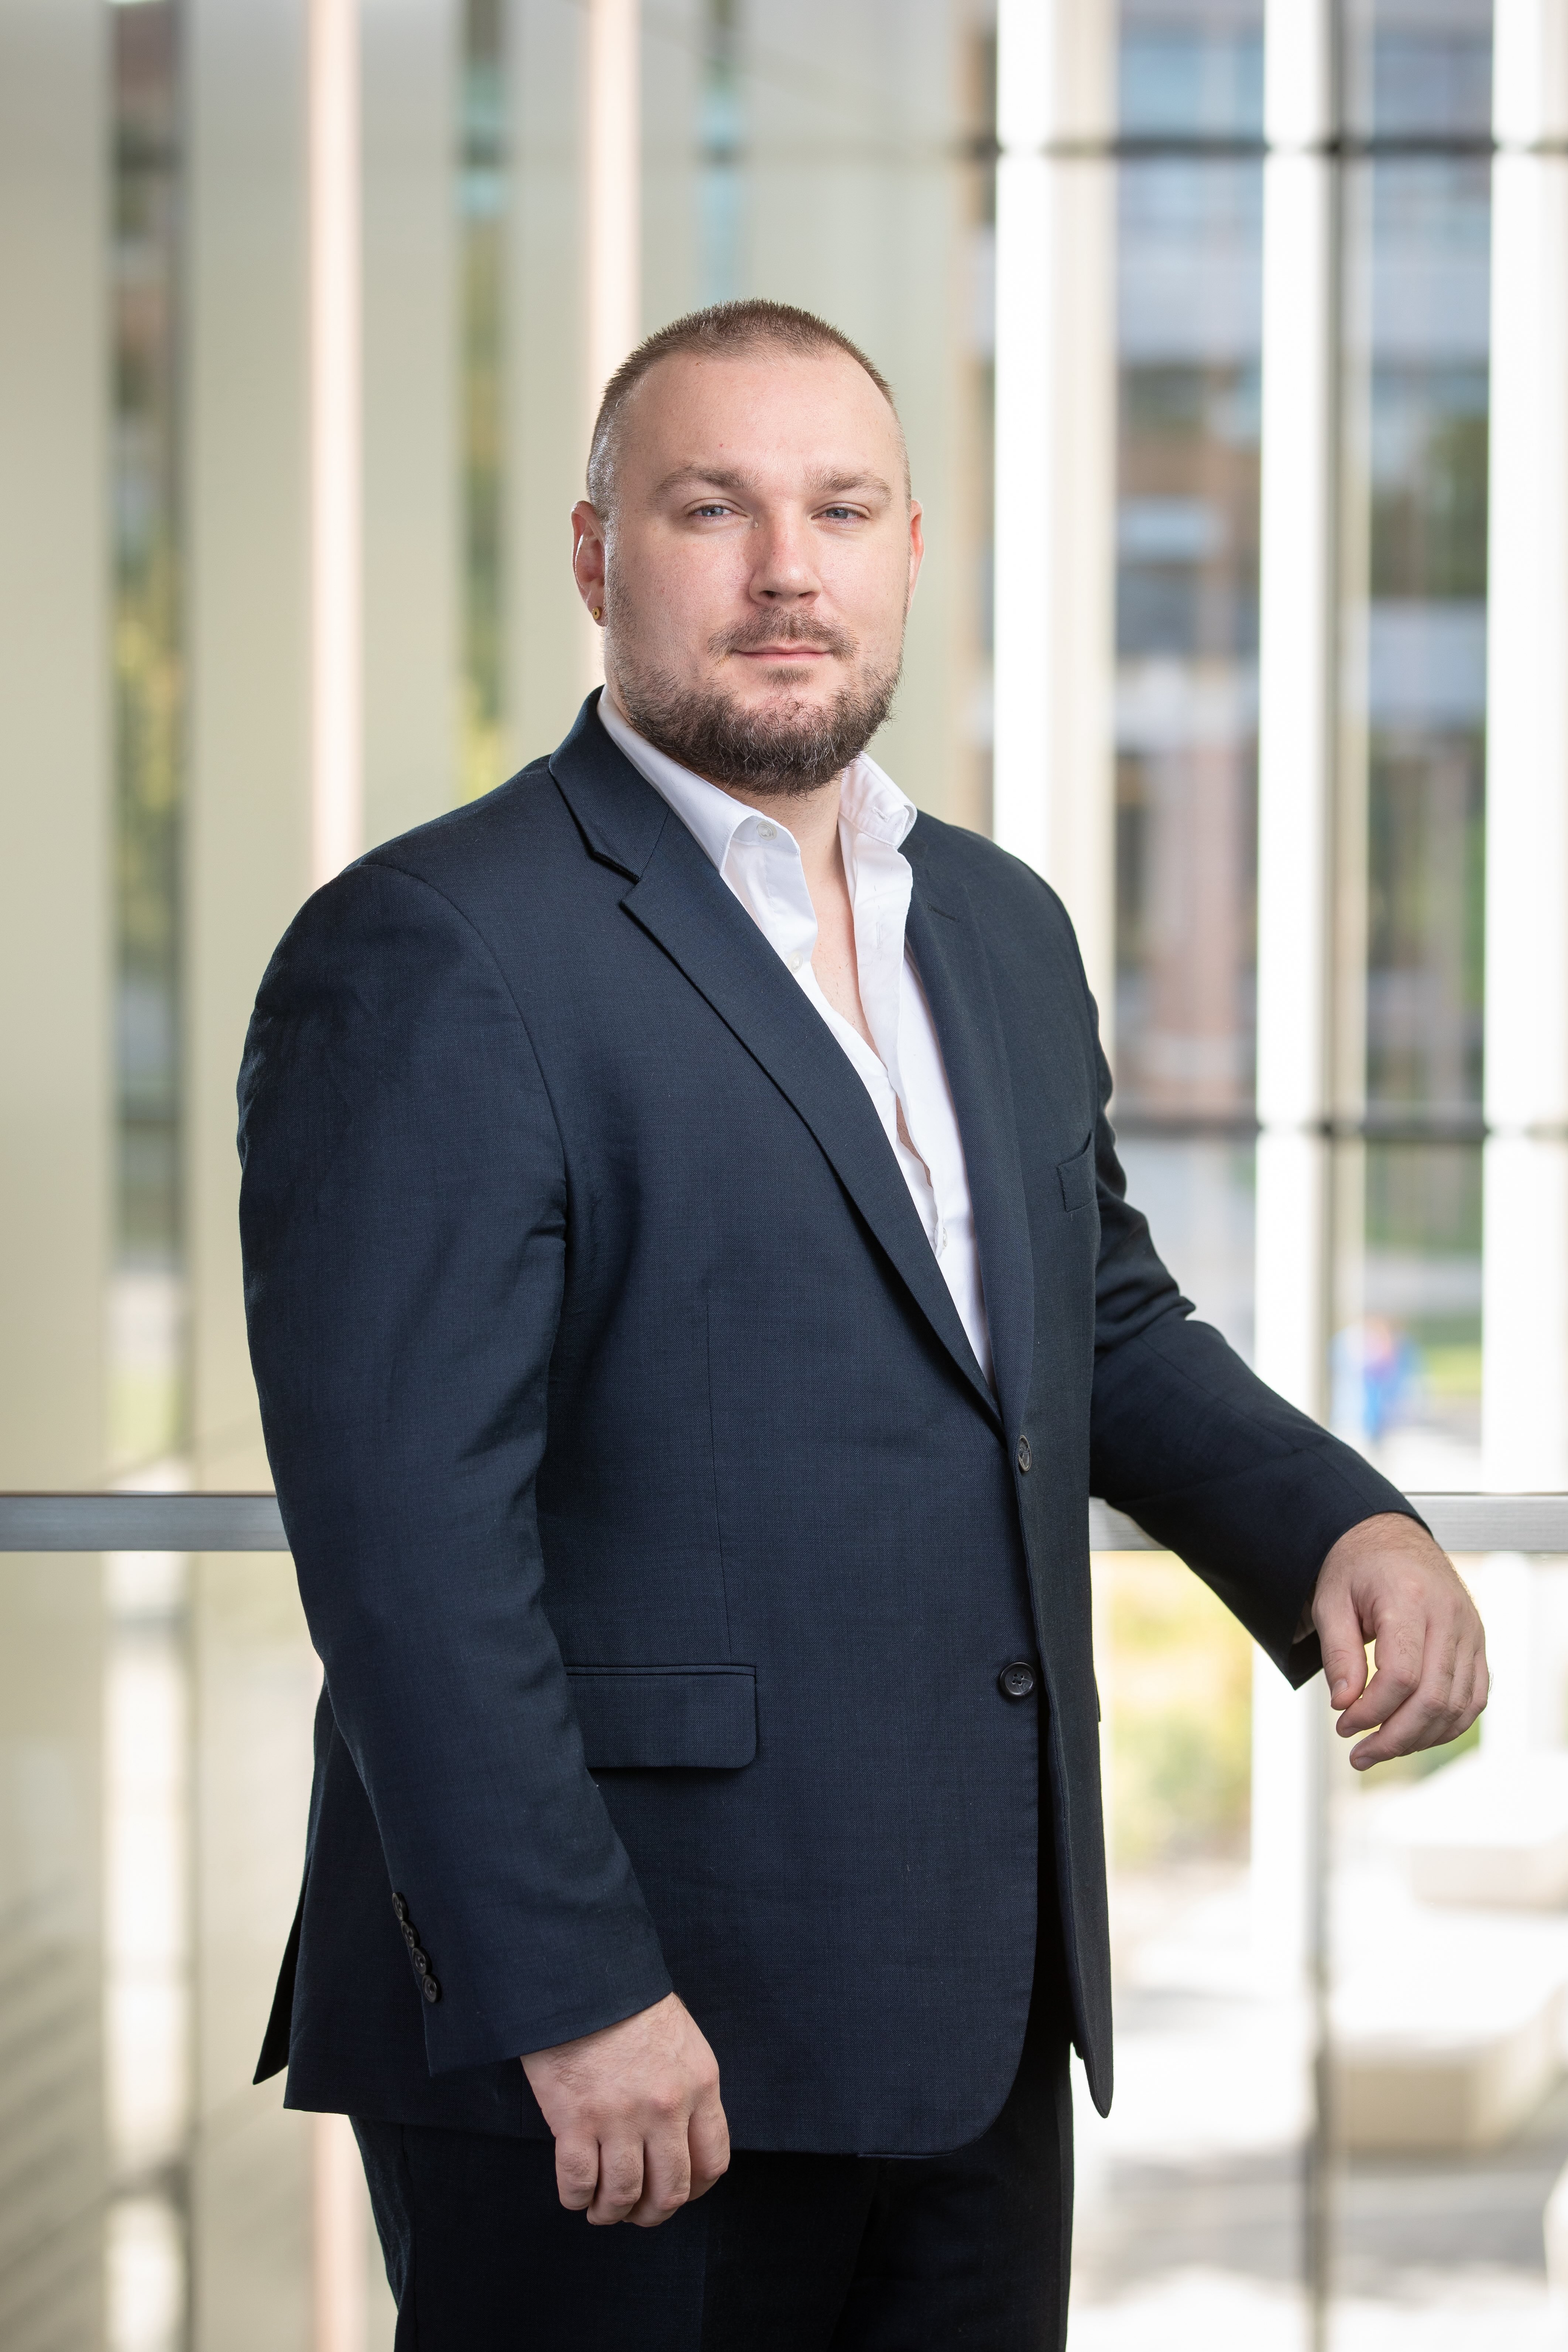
(639, 2127)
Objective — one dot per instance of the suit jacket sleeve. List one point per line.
(1190, 1443)
(403, 1219)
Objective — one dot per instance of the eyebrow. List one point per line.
(824, 483)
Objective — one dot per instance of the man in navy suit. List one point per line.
(693, 1296)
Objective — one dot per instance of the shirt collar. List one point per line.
(869, 801)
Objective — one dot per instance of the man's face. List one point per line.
(758, 565)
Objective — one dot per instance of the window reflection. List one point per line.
(154, 1726)
(147, 1402)
(1189, 289)
(1407, 1368)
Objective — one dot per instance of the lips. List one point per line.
(797, 644)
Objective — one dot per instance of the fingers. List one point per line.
(620, 2182)
(636, 2112)
(1343, 1648)
(576, 2172)
(1386, 1581)
(687, 2155)
(1401, 1653)
(1447, 1696)
(666, 2174)
(709, 2143)
(644, 2181)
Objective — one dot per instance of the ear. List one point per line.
(588, 553)
(917, 549)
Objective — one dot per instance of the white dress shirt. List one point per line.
(759, 860)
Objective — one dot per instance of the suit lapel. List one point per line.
(682, 902)
(949, 956)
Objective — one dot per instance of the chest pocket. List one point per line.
(1076, 1177)
(691, 1719)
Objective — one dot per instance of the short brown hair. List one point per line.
(724, 328)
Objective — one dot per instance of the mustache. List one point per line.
(781, 629)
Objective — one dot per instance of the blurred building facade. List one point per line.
(304, 305)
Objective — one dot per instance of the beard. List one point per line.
(785, 752)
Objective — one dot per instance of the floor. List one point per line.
(1189, 2195)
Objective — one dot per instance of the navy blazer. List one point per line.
(661, 1536)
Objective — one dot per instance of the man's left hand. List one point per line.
(1386, 1581)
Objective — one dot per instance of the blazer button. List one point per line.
(1016, 1680)
(1025, 1456)
(430, 1989)
(420, 1960)
(400, 1906)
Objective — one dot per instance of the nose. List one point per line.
(782, 570)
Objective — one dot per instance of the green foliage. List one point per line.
(1429, 512)
(1180, 1686)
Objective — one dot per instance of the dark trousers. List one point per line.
(787, 2254)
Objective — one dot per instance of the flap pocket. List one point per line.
(699, 1718)
(1077, 1176)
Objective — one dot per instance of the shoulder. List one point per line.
(1009, 896)
(521, 822)
(453, 883)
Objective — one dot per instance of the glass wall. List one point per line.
(1189, 263)
(193, 701)
(1416, 231)
(1440, 2185)
(174, 672)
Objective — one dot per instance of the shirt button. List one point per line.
(1025, 1458)
(767, 832)
(796, 961)
(1016, 1679)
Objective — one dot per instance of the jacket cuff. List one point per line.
(1259, 1539)
(462, 2033)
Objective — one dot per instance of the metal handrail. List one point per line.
(128, 1522)
(1460, 1522)
(141, 1523)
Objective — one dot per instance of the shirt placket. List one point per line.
(879, 885)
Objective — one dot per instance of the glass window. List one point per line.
(198, 698)
(1416, 227)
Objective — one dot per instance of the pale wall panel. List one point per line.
(56, 1144)
(255, 1684)
(248, 798)
(547, 425)
(412, 357)
(672, 258)
(857, 206)
(248, 631)
(56, 1077)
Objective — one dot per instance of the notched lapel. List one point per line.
(680, 900)
(949, 951)
(619, 813)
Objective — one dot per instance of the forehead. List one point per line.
(767, 410)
